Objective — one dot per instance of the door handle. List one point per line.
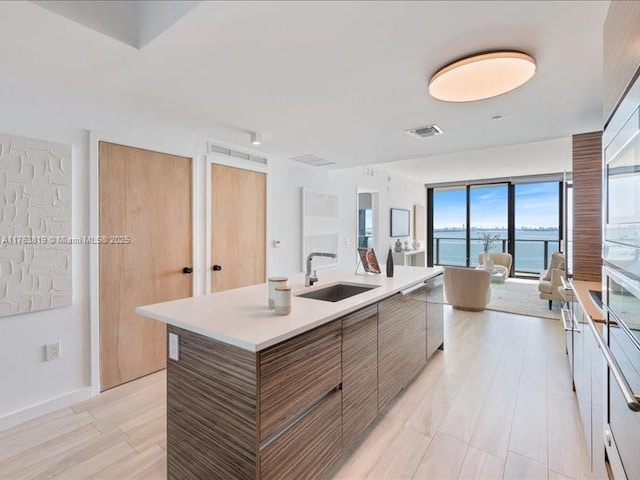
(217, 268)
(633, 400)
(412, 289)
(187, 270)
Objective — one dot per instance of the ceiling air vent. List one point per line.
(423, 132)
(313, 160)
(213, 148)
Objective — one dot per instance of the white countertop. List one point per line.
(242, 318)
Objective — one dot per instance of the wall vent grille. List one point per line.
(213, 148)
(313, 160)
(424, 132)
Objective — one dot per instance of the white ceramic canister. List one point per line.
(283, 300)
(273, 283)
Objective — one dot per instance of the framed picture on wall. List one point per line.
(400, 222)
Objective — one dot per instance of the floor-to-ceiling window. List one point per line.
(488, 209)
(522, 216)
(449, 240)
(537, 210)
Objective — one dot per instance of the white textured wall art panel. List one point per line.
(35, 221)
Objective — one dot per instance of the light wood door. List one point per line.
(238, 227)
(145, 208)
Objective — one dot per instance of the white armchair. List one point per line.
(501, 265)
(467, 288)
(551, 279)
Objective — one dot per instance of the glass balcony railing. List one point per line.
(531, 256)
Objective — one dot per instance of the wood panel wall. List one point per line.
(621, 51)
(587, 206)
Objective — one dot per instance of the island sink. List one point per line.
(337, 292)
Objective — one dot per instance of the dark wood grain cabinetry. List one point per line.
(402, 342)
(309, 448)
(359, 372)
(290, 410)
(297, 373)
(391, 363)
(211, 407)
(587, 206)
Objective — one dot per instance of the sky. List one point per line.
(536, 206)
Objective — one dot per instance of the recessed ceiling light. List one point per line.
(256, 138)
(482, 76)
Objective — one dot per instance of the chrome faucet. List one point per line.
(308, 279)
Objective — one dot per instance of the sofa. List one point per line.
(501, 265)
(467, 288)
(551, 279)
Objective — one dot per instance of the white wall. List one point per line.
(285, 215)
(30, 386)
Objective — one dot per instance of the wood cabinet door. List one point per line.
(238, 227)
(309, 448)
(359, 372)
(415, 333)
(435, 315)
(145, 214)
(391, 349)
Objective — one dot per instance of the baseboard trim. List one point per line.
(35, 411)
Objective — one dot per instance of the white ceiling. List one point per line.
(342, 80)
(134, 22)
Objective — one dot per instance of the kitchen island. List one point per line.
(255, 395)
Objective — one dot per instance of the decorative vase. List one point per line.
(390, 263)
(405, 247)
(398, 246)
(416, 244)
(486, 257)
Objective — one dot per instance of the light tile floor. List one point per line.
(497, 403)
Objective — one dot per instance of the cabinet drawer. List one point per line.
(359, 373)
(309, 448)
(297, 373)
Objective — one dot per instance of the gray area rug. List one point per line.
(521, 297)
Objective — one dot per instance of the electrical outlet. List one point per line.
(53, 351)
(174, 347)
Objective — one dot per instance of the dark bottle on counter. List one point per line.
(390, 263)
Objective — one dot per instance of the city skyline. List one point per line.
(537, 207)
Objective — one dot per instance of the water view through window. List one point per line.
(536, 223)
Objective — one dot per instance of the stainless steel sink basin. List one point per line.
(337, 292)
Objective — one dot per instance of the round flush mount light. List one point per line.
(482, 76)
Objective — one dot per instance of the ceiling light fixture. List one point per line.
(256, 138)
(482, 76)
